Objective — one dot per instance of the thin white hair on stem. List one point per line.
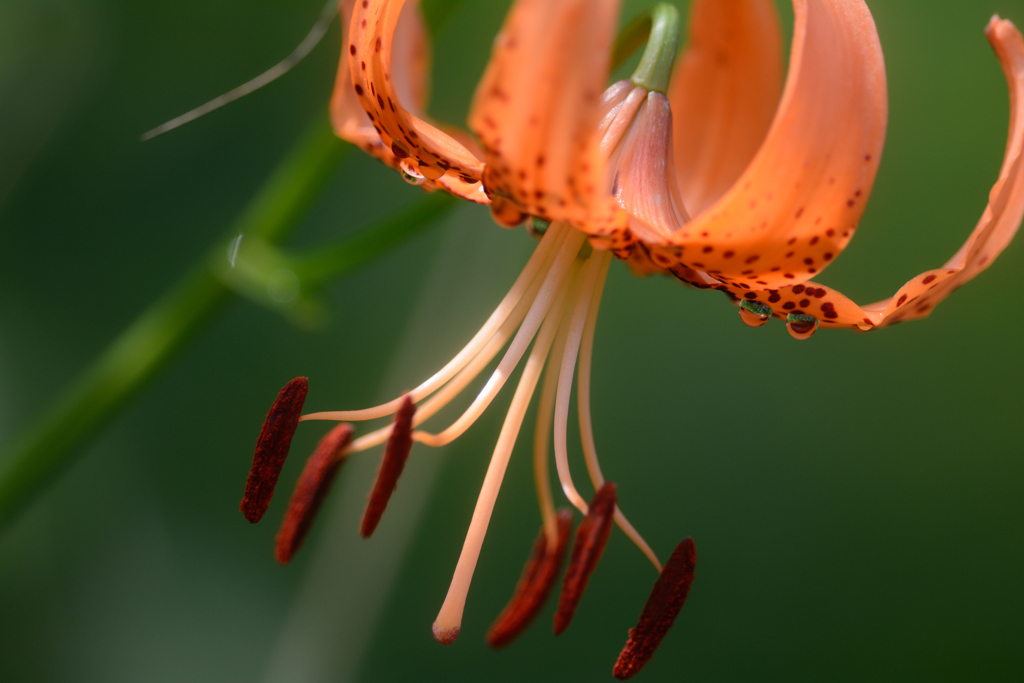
(311, 40)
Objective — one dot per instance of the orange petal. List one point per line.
(535, 109)
(997, 227)
(380, 89)
(724, 94)
(347, 116)
(804, 192)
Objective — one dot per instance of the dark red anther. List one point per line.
(314, 483)
(660, 612)
(395, 455)
(538, 577)
(591, 538)
(272, 448)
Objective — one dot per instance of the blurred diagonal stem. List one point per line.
(145, 347)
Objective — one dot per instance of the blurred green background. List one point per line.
(855, 499)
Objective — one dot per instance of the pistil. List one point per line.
(449, 619)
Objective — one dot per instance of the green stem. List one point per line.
(327, 263)
(147, 344)
(659, 28)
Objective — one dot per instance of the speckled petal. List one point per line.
(384, 65)
(350, 121)
(803, 194)
(998, 225)
(724, 94)
(535, 109)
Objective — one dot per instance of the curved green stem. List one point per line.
(141, 350)
(324, 264)
(659, 28)
(259, 268)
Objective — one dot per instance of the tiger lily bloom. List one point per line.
(717, 174)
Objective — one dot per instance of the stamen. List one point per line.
(531, 592)
(453, 388)
(586, 424)
(551, 241)
(660, 612)
(545, 298)
(391, 466)
(272, 448)
(591, 537)
(449, 619)
(568, 366)
(314, 483)
(541, 437)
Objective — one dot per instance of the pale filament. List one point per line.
(572, 345)
(542, 428)
(545, 298)
(449, 619)
(586, 424)
(552, 240)
(542, 437)
(462, 380)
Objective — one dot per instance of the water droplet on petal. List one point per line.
(430, 171)
(801, 326)
(754, 313)
(411, 172)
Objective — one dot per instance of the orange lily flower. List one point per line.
(710, 178)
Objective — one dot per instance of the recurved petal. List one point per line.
(350, 121)
(724, 94)
(998, 225)
(535, 109)
(803, 194)
(381, 89)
